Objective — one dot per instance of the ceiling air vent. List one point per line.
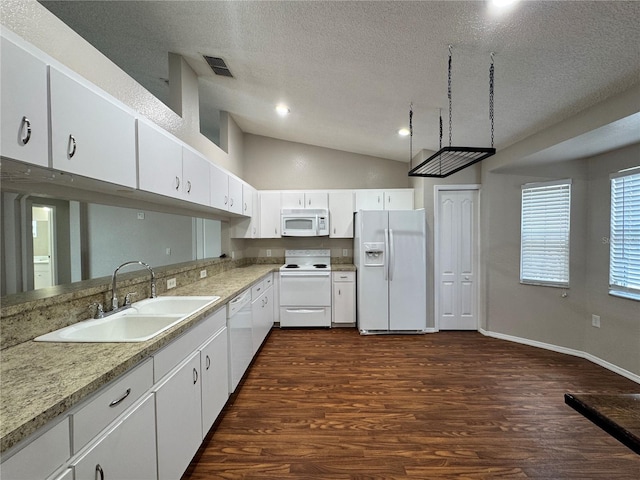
(218, 66)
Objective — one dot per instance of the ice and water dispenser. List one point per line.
(373, 254)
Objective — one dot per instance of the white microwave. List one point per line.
(305, 222)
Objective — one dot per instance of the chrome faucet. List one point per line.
(114, 298)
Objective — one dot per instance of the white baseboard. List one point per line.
(569, 351)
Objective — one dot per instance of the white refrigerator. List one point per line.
(391, 279)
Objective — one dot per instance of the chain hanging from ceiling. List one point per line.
(449, 160)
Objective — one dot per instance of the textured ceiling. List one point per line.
(348, 70)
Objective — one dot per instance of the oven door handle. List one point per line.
(305, 274)
(305, 310)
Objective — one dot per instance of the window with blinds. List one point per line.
(624, 241)
(544, 244)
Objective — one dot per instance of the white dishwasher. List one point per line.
(239, 329)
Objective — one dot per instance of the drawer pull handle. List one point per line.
(195, 376)
(99, 473)
(26, 123)
(177, 183)
(71, 148)
(119, 400)
(208, 362)
(188, 186)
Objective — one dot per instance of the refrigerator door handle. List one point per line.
(386, 254)
(392, 260)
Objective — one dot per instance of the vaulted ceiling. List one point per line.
(349, 70)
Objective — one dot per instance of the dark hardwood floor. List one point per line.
(331, 404)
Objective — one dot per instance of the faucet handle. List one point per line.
(99, 309)
(127, 297)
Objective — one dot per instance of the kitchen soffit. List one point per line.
(350, 69)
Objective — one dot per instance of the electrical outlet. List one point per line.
(268, 253)
(595, 321)
(168, 251)
(140, 215)
(203, 274)
(171, 283)
(345, 252)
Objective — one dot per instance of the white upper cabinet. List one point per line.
(219, 188)
(235, 195)
(24, 132)
(90, 134)
(226, 191)
(167, 167)
(398, 199)
(248, 199)
(159, 161)
(392, 199)
(270, 215)
(195, 177)
(369, 200)
(294, 199)
(341, 204)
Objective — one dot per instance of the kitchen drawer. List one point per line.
(110, 402)
(41, 457)
(268, 281)
(344, 276)
(166, 359)
(305, 317)
(257, 290)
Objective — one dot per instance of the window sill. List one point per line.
(627, 295)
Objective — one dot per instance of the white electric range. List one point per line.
(305, 288)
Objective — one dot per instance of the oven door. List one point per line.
(305, 289)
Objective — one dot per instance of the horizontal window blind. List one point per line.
(624, 242)
(544, 248)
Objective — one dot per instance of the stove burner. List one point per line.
(292, 265)
(320, 265)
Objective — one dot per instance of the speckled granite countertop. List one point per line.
(43, 380)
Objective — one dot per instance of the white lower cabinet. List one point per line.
(344, 298)
(179, 419)
(262, 312)
(126, 451)
(41, 457)
(214, 366)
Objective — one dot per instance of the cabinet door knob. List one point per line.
(26, 123)
(99, 473)
(71, 148)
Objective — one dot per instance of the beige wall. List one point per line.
(272, 164)
(544, 314)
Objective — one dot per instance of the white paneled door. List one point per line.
(457, 259)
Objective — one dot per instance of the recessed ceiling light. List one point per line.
(502, 3)
(403, 132)
(282, 110)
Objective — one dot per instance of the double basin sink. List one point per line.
(140, 322)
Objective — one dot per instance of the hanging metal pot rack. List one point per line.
(449, 160)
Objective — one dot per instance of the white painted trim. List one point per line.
(436, 248)
(569, 351)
